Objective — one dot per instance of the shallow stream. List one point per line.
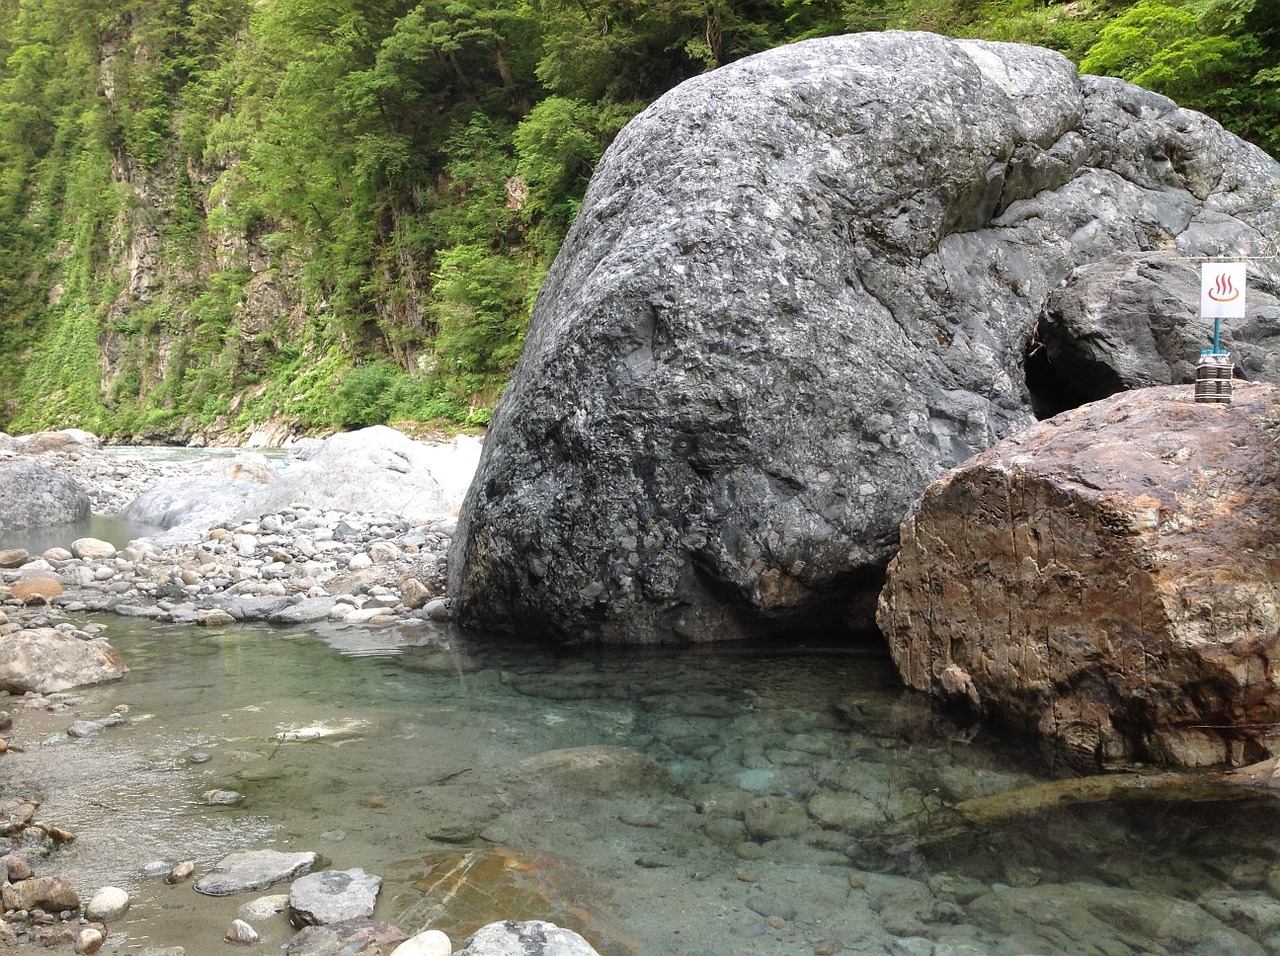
(805, 812)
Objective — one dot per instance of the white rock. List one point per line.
(241, 932)
(359, 562)
(431, 943)
(109, 903)
(93, 548)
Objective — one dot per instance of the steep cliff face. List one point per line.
(800, 288)
(1106, 579)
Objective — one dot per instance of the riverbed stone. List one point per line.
(264, 907)
(45, 660)
(89, 941)
(94, 549)
(529, 938)
(42, 589)
(431, 942)
(306, 611)
(241, 932)
(109, 903)
(1085, 911)
(332, 896)
(799, 288)
(250, 870)
(13, 557)
(414, 594)
(363, 935)
(51, 893)
(598, 769)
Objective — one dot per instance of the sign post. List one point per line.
(1222, 289)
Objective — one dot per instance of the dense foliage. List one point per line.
(215, 212)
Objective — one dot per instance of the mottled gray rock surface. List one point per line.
(530, 938)
(250, 870)
(801, 287)
(35, 496)
(332, 896)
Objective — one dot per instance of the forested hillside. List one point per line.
(220, 213)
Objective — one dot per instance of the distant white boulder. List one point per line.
(375, 470)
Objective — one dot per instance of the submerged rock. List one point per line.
(1109, 579)
(799, 289)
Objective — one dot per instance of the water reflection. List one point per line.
(801, 805)
(110, 528)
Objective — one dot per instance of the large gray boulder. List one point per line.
(799, 288)
(34, 497)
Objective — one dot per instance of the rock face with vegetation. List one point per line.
(799, 289)
(1106, 579)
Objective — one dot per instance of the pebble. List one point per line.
(89, 940)
(241, 932)
(182, 871)
(222, 798)
(109, 903)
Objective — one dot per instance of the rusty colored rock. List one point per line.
(51, 893)
(36, 590)
(1109, 579)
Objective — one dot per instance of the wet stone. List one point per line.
(248, 870)
(333, 896)
(360, 935)
(109, 903)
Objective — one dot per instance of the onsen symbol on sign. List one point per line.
(1223, 289)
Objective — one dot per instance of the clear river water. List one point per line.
(805, 809)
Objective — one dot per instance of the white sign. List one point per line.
(1222, 290)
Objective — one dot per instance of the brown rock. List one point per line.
(17, 868)
(89, 940)
(414, 594)
(1109, 578)
(52, 893)
(36, 590)
(13, 557)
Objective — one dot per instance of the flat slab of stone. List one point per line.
(333, 896)
(309, 611)
(247, 871)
